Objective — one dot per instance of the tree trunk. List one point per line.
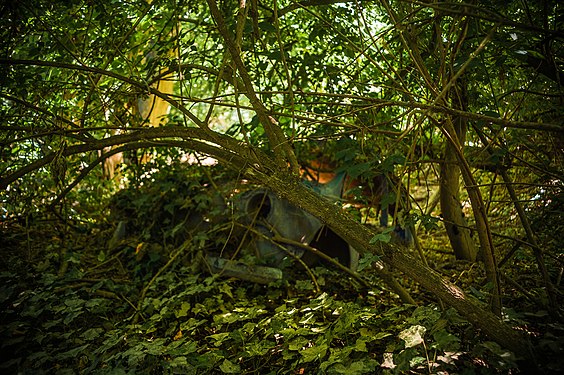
(359, 237)
(455, 132)
(455, 223)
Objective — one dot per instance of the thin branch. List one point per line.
(310, 3)
(279, 143)
(482, 13)
(140, 85)
(227, 148)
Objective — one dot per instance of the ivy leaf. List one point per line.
(358, 367)
(413, 336)
(226, 289)
(258, 349)
(37, 358)
(178, 362)
(360, 345)
(298, 343)
(385, 236)
(72, 353)
(183, 311)
(313, 353)
(367, 260)
(218, 338)
(72, 316)
(92, 333)
(304, 285)
(403, 360)
(365, 332)
(228, 367)
(425, 315)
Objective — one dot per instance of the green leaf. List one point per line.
(92, 333)
(429, 222)
(225, 289)
(304, 285)
(258, 348)
(403, 360)
(156, 347)
(356, 368)
(298, 343)
(275, 55)
(134, 355)
(381, 335)
(413, 336)
(536, 54)
(382, 237)
(218, 338)
(72, 316)
(228, 318)
(183, 311)
(425, 315)
(346, 155)
(229, 367)
(391, 161)
(337, 355)
(388, 199)
(359, 169)
(182, 348)
(360, 344)
(367, 260)
(38, 358)
(316, 352)
(366, 332)
(179, 362)
(72, 353)
(446, 341)
(503, 353)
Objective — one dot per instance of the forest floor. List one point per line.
(74, 302)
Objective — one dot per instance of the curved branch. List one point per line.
(226, 149)
(132, 82)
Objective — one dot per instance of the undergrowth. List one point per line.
(72, 304)
(195, 323)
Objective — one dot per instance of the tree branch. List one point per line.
(132, 82)
(279, 143)
(226, 149)
(359, 236)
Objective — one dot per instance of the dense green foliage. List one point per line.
(124, 310)
(201, 325)
(109, 109)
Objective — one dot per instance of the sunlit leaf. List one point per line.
(413, 335)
